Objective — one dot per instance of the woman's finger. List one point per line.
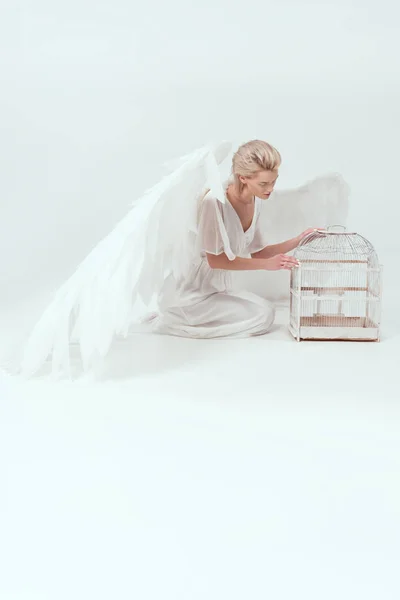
(289, 257)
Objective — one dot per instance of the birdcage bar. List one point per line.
(336, 261)
(336, 291)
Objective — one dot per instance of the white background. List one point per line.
(251, 470)
(96, 96)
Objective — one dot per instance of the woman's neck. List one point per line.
(243, 196)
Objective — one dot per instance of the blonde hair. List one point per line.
(252, 157)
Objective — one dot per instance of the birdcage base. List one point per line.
(321, 327)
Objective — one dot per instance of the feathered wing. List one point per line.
(322, 202)
(102, 298)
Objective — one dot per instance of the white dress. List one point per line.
(204, 303)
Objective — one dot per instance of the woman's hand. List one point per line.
(280, 261)
(306, 233)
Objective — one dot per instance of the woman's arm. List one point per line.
(282, 248)
(281, 261)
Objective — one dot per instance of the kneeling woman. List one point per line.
(230, 238)
(182, 252)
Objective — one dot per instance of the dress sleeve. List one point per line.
(212, 234)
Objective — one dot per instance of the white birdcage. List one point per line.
(335, 293)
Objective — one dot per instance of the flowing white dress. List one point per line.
(205, 303)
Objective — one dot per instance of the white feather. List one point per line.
(129, 265)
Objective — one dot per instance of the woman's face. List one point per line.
(261, 184)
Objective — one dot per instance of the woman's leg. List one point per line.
(218, 315)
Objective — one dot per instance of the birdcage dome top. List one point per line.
(336, 243)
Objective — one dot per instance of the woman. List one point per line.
(204, 304)
(179, 246)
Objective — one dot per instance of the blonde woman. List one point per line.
(177, 249)
(204, 303)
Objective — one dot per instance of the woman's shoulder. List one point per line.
(209, 198)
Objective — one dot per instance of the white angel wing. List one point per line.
(322, 202)
(100, 300)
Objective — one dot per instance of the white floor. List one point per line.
(192, 470)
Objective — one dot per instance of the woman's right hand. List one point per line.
(281, 261)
